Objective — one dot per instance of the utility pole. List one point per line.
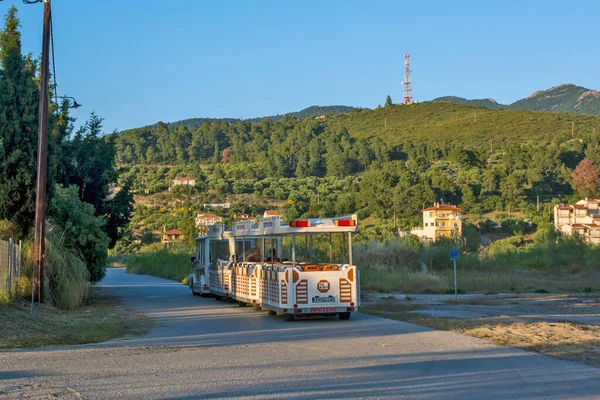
(40, 201)
(538, 203)
(573, 129)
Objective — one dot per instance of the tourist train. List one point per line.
(245, 264)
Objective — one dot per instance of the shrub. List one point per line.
(169, 263)
(81, 231)
(515, 226)
(509, 245)
(66, 283)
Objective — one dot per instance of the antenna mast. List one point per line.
(407, 85)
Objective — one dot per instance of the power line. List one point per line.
(53, 61)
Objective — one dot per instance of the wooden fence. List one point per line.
(10, 265)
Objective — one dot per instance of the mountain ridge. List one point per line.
(560, 98)
(311, 111)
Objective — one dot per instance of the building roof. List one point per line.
(580, 207)
(271, 212)
(443, 207)
(207, 216)
(184, 178)
(173, 232)
(563, 207)
(578, 226)
(593, 201)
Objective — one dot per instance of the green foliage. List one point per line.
(488, 103)
(516, 226)
(388, 101)
(508, 245)
(545, 234)
(488, 225)
(66, 273)
(471, 237)
(173, 263)
(19, 96)
(82, 232)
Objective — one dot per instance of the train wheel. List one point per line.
(256, 307)
(271, 312)
(241, 304)
(344, 316)
(288, 317)
(217, 297)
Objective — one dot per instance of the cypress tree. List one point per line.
(19, 96)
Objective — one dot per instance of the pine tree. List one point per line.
(19, 98)
(388, 101)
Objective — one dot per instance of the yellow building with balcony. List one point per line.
(441, 220)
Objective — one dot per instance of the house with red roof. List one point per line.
(171, 236)
(204, 220)
(184, 180)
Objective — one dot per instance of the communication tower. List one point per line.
(407, 85)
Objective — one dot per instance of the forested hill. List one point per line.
(378, 162)
(312, 111)
(435, 124)
(562, 98)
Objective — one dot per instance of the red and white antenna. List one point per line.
(407, 85)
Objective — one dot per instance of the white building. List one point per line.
(184, 181)
(582, 218)
(214, 206)
(204, 220)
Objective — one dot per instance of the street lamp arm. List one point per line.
(75, 104)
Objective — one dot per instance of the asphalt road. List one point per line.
(208, 349)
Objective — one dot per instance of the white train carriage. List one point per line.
(216, 270)
(299, 286)
(209, 248)
(244, 264)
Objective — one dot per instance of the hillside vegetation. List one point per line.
(489, 103)
(391, 161)
(312, 111)
(455, 124)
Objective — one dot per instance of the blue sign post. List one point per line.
(454, 258)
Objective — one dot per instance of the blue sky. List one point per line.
(135, 62)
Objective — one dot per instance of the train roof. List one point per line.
(273, 226)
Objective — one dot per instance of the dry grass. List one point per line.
(563, 340)
(567, 341)
(100, 319)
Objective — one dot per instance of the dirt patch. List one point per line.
(566, 341)
(565, 326)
